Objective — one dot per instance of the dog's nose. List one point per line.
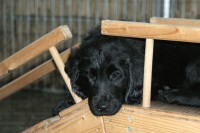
(103, 107)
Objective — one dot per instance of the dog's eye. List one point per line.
(115, 75)
(92, 74)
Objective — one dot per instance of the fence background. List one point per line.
(23, 21)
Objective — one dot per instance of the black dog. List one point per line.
(109, 71)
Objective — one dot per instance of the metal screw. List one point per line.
(130, 118)
(130, 129)
(109, 120)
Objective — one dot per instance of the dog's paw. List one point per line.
(65, 103)
(168, 95)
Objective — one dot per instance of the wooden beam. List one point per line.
(32, 75)
(151, 31)
(176, 21)
(34, 49)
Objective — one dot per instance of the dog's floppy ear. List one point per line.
(71, 68)
(135, 72)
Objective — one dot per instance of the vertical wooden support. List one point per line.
(60, 65)
(148, 72)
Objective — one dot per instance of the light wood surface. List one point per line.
(135, 119)
(76, 119)
(61, 68)
(32, 75)
(159, 118)
(148, 62)
(151, 31)
(34, 49)
(176, 21)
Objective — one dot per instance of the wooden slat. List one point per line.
(77, 119)
(151, 31)
(176, 21)
(31, 76)
(34, 49)
(135, 119)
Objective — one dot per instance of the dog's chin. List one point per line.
(114, 108)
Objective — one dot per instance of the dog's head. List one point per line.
(107, 70)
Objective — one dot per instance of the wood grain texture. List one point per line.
(151, 31)
(176, 21)
(148, 62)
(76, 119)
(34, 49)
(32, 75)
(160, 118)
(135, 119)
(61, 67)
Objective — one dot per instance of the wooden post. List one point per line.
(60, 66)
(148, 72)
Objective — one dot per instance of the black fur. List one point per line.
(109, 71)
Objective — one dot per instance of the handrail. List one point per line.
(176, 21)
(151, 31)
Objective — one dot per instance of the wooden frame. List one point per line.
(34, 49)
(158, 117)
(47, 42)
(152, 31)
(31, 76)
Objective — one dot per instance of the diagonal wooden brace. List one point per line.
(60, 64)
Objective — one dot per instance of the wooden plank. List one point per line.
(34, 49)
(77, 119)
(42, 124)
(135, 119)
(151, 31)
(176, 21)
(31, 76)
(160, 117)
